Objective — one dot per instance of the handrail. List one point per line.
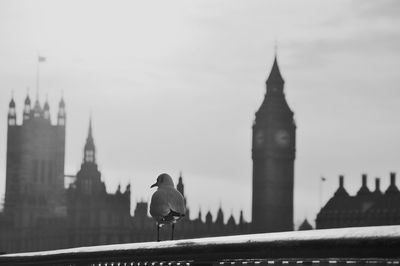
(379, 243)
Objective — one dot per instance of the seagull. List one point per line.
(167, 204)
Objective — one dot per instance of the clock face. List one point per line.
(259, 138)
(282, 138)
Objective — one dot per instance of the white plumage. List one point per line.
(167, 204)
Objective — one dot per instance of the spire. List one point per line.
(220, 216)
(305, 225)
(89, 150)
(241, 219)
(180, 187)
(12, 103)
(208, 218)
(275, 79)
(128, 189)
(90, 135)
(231, 221)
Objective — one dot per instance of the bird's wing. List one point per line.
(176, 201)
(159, 206)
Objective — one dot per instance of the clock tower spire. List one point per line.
(273, 153)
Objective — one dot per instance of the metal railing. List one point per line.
(347, 246)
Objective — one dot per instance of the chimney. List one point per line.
(341, 191)
(364, 189)
(392, 189)
(377, 184)
(364, 180)
(393, 179)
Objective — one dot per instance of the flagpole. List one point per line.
(37, 76)
(321, 181)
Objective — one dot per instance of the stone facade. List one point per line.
(273, 152)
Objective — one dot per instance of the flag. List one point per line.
(41, 59)
(323, 179)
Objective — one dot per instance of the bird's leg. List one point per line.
(158, 232)
(173, 228)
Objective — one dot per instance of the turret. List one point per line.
(27, 108)
(12, 115)
(61, 117)
(89, 153)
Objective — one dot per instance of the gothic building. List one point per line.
(40, 214)
(35, 164)
(95, 216)
(366, 208)
(273, 153)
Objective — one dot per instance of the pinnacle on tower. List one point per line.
(12, 115)
(12, 103)
(37, 109)
(61, 113)
(62, 103)
(180, 187)
(46, 109)
(275, 77)
(90, 150)
(27, 108)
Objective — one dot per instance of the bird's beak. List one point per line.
(154, 185)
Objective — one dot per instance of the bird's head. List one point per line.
(163, 180)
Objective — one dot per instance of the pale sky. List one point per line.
(173, 86)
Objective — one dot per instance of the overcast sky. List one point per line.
(173, 86)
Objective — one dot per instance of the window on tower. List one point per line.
(11, 122)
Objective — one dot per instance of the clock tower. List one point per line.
(273, 153)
